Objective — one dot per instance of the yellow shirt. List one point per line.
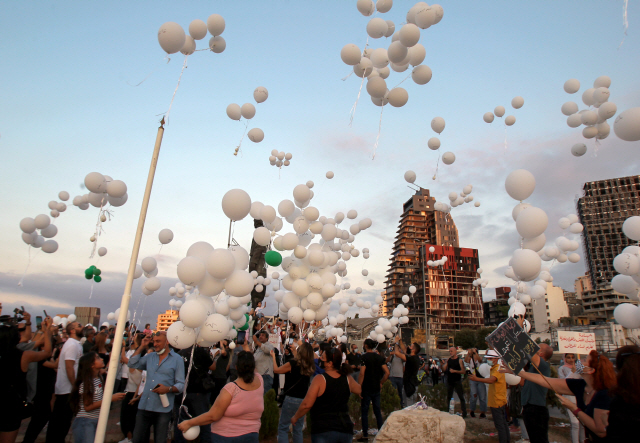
(497, 391)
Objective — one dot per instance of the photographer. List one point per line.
(412, 363)
(14, 364)
(264, 362)
(396, 372)
(478, 390)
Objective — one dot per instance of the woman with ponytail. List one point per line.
(591, 392)
(328, 398)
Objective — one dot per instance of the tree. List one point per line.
(481, 336)
(565, 321)
(270, 415)
(503, 310)
(538, 340)
(465, 338)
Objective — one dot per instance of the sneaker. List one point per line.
(472, 414)
(482, 415)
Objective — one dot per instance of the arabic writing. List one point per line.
(513, 344)
(577, 342)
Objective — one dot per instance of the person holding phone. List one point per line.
(478, 390)
(264, 362)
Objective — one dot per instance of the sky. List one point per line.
(70, 106)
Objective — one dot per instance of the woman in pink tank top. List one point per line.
(235, 416)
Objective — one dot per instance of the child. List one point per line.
(86, 398)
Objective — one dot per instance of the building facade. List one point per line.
(86, 315)
(446, 294)
(167, 319)
(605, 205)
(495, 311)
(543, 314)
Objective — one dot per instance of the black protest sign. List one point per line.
(513, 344)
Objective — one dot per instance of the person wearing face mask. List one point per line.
(100, 347)
(591, 392)
(568, 370)
(165, 379)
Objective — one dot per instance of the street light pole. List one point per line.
(424, 293)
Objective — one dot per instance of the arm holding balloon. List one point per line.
(215, 413)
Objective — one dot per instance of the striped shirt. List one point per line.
(97, 396)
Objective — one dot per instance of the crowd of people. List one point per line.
(56, 376)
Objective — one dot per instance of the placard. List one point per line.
(576, 342)
(274, 339)
(513, 344)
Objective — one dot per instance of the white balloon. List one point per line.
(149, 264)
(575, 120)
(410, 176)
(239, 283)
(377, 27)
(517, 102)
(234, 112)
(531, 222)
(215, 24)
(376, 87)
(421, 74)
(434, 143)
(363, 68)
(587, 97)
(488, 117)
(236, 204)
(571, 86)
(248, 111)
(569, 108)
(579, 149)
(448, 158)
(520, 184)
(165, 236)
(191, 270)
(28, 225)
(215, 328)
(192, 313)
(200, 249)
(627, 315)
(535, 243)
(409, 35)
(627, 125)
(192, 433)
(626, 264)
(49, 246)
(601, 95)
(189, 46)
(63, 195)
(631, 227)
(437, 124)
(509, 120)
(379, 57)
(198, 29)
(365, 7)
(256, 135)
(171, 37)
(589, 118)
(425, 17)
(42, 221)
(329, 175)
(607, 110)
(51, 231)
(526, 264)
(181, 336)
(101, 251)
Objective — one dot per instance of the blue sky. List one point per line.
(68, 108)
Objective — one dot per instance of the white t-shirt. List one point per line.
(125, 368)
(72, 350)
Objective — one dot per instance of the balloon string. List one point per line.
(402, 81)
(184, 65)
(355, 105)
(136, 311)
(246, 125)
(186, 382)
(597, 146)
(152, 72)
(437, 166)
(24, 274)
(625, 21)
(91, 293)
(505, 138)
(99, 229)
(375, 146)
(347, 76)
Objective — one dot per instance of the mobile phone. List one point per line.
(45, 313)
(38, 321)
(157, 386)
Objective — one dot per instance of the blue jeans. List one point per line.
(246, 438)
(84, 429)
(267, 381)
(478, 392)
(146, 419)
(374, 399)
(289, 409)
(197, 404)
(397, 383)
(331, 437)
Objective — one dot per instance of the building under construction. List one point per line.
(452, 302)
(605, 205)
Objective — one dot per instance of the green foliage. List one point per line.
(552, 400)
(466, 389)
(538, 340)
(481, 336)
(270, 415)
(503, 310)
(389, 399)
(547, 341)
(435, 396)
(465, 338)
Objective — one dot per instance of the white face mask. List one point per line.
(161, 352)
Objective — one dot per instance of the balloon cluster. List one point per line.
(111, 316)
(516, 103)
(103, 190)
(63, 321)
(248, 111)
(456, 199)
(36, 230)
(627, 282)
(563, 248)
(594, 120)
(149, 267)
(93, 273)
(280, 159)
(483, 282)
(437, 124)
(172, 37)
(404, 50)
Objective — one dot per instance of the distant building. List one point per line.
(495, 311)
(543, 314)
(452, 301)
(86, 316)
(167, 319)
(605, 205)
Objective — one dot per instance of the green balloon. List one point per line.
(273, 258)
(88, 276)
(97, 279)
(92, 267)
(97, 271)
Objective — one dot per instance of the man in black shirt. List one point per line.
(412, 364)
(198, 386)
(454, 367)
(373, 374)
(353, 359)
(219, 371)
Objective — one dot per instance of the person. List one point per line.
(90, 335)
(534, 397)
(497, 395)
(412, 364)
(478, 391)
(219, 372)
(264, 362)
(147, 329)
(327, 399)
(259, 310)
(86, 398)
(591, 392)
(435, 371)
(61, 416)
(100, 347)
(199, 387)
(129, 408)
(454, 368)
(353, 358)
(396, 372)
(165, 377)
(27, 344)
(568, 370)
(624, 411)
(235, 416)
(373, 374)
(298, 372)
(14, 364)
